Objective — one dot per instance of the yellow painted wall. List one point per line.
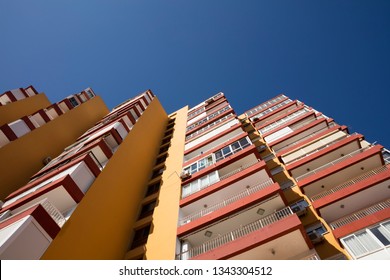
(23, 157)
(21, 108)
(162, 241)
(102, 224)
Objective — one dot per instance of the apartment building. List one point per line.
(280, 181)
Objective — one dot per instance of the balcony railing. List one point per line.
(273, 108)
(350, 182)
(332, 163)
(326, 145)
(235, 234)
(312, 257)
(311, 135)
(225, 202)
(360, 214)
(209, 126)
(264, 105)
(208, 118)
(282, 121)
(223, 177)
(53, 212)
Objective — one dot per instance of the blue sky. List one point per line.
(332, 55)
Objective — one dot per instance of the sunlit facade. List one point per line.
(279, 181)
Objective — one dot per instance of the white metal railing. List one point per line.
(212, 148)
(223, 177)
(230, 200)
(53, 212)
(264, 105)
(311, 135)
(325, 145)
(207, 127)
(209, 117)
(360, 214)
(245, 166)
(332, 163)
(235, 234)
(312, 257)
(282, 121)
(273, 108)
(350, 182)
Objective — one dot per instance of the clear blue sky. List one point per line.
(332, 55)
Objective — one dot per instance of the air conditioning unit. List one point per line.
(46, 160)
(5, 215)
(315, 237)
(299, 210)
(185, 175)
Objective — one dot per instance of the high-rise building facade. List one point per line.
(279, 181)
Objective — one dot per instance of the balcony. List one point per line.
(347, 184)
(308, 159)
(218, 155)
(264, 238)
(208, 118)
(361, 219)
(312, 131)
(27, 234)
(271, 110)
(64, 189)
(337, 172)
(217, 176)
(225, 202)
(319, 145)
(265, 105)
(276, 124)
(213, 139)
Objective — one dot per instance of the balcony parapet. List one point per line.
(235, 234)
(351, 182)
(228, 201)
(332, 163)
(360, 214)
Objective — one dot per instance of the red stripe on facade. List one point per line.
(229, 210)
(254, 239)
(222, 184)
(362, 223)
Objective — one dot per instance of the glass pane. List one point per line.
(382, 234)
(368, 241)
(194, 168)
(195, 186)
(213, 177)
(353, 244)
(201, 164)
(244, 142)
(186, 190)
(236, 147)
(218, 155)
(204, 181)
(226, 151)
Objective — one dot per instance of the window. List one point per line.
(73, 101)
(90, 93)
(161, 159)
(231, 149)
(200, 184)
(153, 189)
(147, 209)
(157, 172)
(199, 165)
(140, 236)
(368, 241)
